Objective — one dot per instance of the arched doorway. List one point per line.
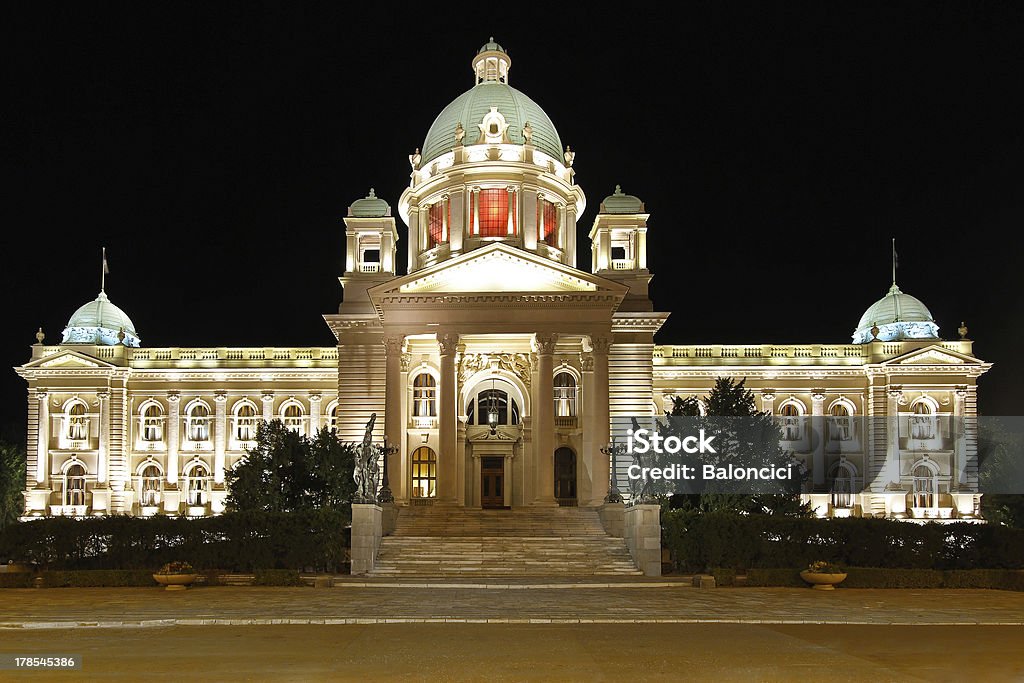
(424, 473)
(565, 477)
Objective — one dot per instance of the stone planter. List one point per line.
(822, 582)
(175, 582)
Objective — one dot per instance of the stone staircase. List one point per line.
(441, 542)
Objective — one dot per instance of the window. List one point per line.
(292, 415)
(371, 256)
(790, 422)
(198, 485)
(497, 402)
(436, 223)
(547, 222)
(424, 473)
(245, 422)
(842, 486)
(424, 396)
(841, 429)
(334, 418)
(493, 213)
(152, 423)
(199, 423)
(565, 395)
(78, 423)
(922, 423)
(152, 485)
(74, 485)
(924, 487)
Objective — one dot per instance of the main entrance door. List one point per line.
(565, 477)
(492, 482)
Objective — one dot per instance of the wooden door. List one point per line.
(492, 482)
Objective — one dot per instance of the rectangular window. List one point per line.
(435, 224)
(493, 213)
(549, 213)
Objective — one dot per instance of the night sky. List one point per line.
(213, 149)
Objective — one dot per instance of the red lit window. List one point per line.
(549, 213)
(435, 224)
(493, 213)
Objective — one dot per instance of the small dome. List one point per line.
(491, 46)
(100, 322)
(370, 206)
(897, 316)
(621, 203)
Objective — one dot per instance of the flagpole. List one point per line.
(894, 260)
(103, 272)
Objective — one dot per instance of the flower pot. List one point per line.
(822, 582)
(175, 582)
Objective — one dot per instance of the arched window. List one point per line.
(292, 417)
(791, 418)
(245, 422)
(424, 395)
(922, 423)
(334, 418)
(424, 473)
(437, 223)
(925, 484)
(152, 423)
(839, 422)
(565, 395)
(152, 485)
(78, 423)
(74, 484)
(197, 480)
(199, 422)
(843, 481)
(494, 407)
(493, 212)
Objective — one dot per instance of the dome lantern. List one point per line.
(491, 63)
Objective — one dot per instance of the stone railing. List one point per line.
(803, 354)
(211, 357)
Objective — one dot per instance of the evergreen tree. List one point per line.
(287, 471)
(12, 482)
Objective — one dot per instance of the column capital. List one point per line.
(315, 398)
(220, 397)
(544, 344)
(767, 394)
(818, 395)
(587, 362)
(393, 344)
(173, 397)
(406, 362)
(267, 397)
(41, 394)
(960, 391)
(600, 343)
(448, 343)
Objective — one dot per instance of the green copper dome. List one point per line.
(469, 109)
(619, 202)
(371, 206)
(897, 316)
(100, 322)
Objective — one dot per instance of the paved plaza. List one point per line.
(368, 603)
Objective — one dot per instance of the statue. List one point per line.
(528, 133)
(366, 468)
(460, 133)
(415, 158)
(570, 156)
(962, 330)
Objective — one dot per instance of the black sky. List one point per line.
(213, 149)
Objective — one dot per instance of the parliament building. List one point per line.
(496, 367)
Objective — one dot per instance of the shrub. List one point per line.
(98, 578)
(16, 580)
(724, 577)
(774, 577)
(276, 577)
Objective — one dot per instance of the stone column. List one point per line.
(393, 428)
(103, 450)
(314, 414)
(268, 406)
(506, 482)
(367, 530)
(447, 484)
(173, 437)
(43, 442)
(818, 440)
(601, 422)
(476, 211)
(643, 537)
(220, 436)
(587, 460)
(768, 401)
(511, 209)
(544, 418)
(415, 243)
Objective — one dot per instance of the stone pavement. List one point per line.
(656, 602)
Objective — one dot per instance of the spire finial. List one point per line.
(40, 336)
(372, 194)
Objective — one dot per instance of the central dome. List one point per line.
(896, 316)
(100, 322)
(491, 91)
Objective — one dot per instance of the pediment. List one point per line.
(498, 268)
(933, 355)
(67, 360)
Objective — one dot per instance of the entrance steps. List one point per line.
(522, 542)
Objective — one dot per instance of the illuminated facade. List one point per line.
(494, 365)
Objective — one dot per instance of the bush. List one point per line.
(277, 577)
(724, 577)
(876, 577)
(98, 578)
(16, 580)
(234, 542)
(775, 577)
(699, 541)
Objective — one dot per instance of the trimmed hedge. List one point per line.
(234, 542)
(99, 578)
(877, 577)
(740, 542)
(276, 577)
(16, 580)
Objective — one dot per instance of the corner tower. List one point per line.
(492, 169)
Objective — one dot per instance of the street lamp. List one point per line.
(613, 450)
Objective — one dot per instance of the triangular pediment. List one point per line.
(933, 355)
(67, 360)
(498, 268)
